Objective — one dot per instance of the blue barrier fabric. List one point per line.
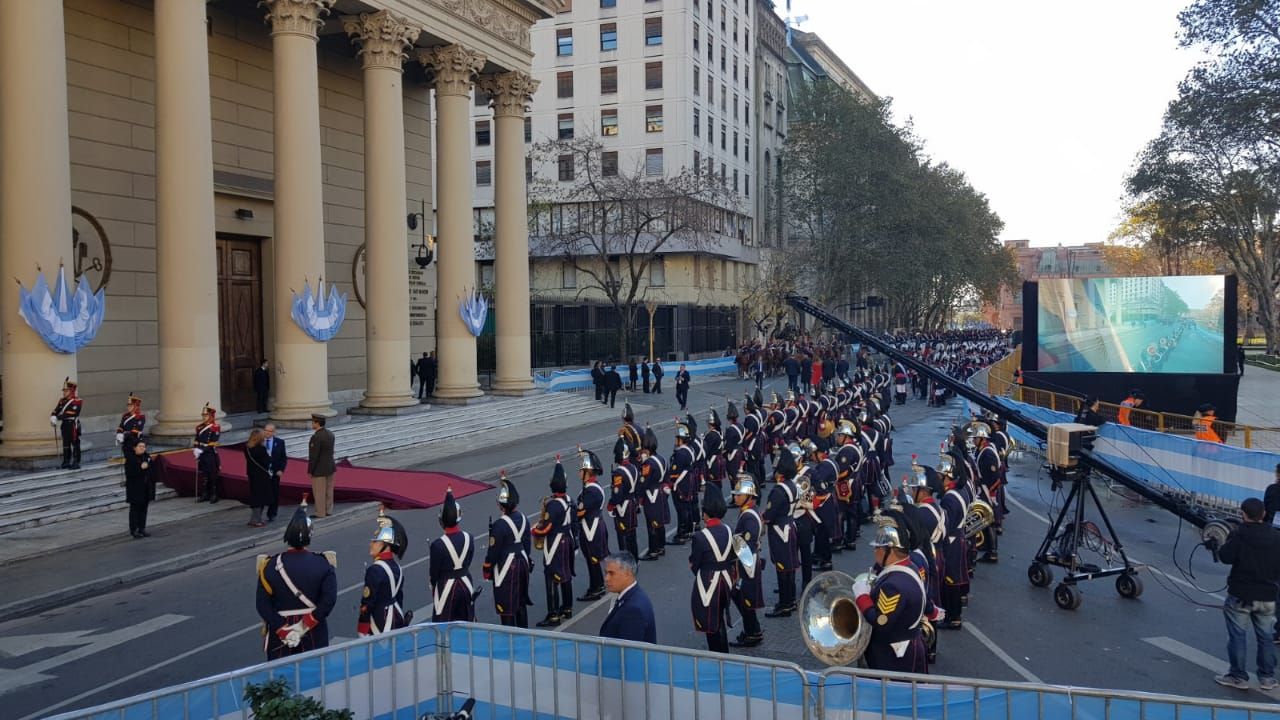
(562, 380)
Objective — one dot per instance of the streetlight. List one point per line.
(426, 250)
(652, 307)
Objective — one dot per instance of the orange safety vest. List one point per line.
(1122, 415)
(1204, 429)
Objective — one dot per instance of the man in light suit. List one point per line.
(275, 449)
(631, 617)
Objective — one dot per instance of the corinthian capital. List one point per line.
(454, 67)
(383, 38)
(296, 17)
(511, 91)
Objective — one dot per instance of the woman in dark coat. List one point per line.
(139, 489)
(258, 463)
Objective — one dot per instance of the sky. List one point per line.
(1044, 105)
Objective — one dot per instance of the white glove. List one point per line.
(861, 587)
(294, 638)
(53, 420)
(197, 452)
(119, 438)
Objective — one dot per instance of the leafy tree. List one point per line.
(275, 700)
(611, 221)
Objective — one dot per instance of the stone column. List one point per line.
(186, 248)
(301, 381)
(455, 69)
(35, 214)
(383, 39)
(511, 92)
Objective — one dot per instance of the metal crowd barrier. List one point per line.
(514, 673)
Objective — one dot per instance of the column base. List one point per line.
(517, 387)
(446, 393)
(388, 402)
(476, 399)
(415, 409)
(300, 417)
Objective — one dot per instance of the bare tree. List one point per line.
(765, 303)
(610, 221)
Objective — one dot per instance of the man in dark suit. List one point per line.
(320, 466)
(612, 384)
(631, 617)
(262, 384)
(426, 375)
(275, 449)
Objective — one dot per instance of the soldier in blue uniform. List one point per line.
(683, 482)
(629, 433)
(555, 532)
(919, 489)
(990, 479)
(1004, 444)
(208, 466)
(802, 511)
(732, 442)
(783, 545)
(748, 592)
(382, 601)
(955, 547)
(753, 435)
(624, 497)
(66, 417)
(895, 604)
(507, 561)
(849, 459)
(593, 534)
(132, 423)
(711, 450)
(822, 481)
(449, 567)
(713, 563)
(653, 495)
(296, 591)
(872, 468)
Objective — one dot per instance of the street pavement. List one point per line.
(188, 625)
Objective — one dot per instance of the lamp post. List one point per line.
(652, 307)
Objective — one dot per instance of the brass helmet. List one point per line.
(946, 465)
(919, 477)
(847, 429)
(682, 431)
(887, 535)
(797, 452)
(746, 485)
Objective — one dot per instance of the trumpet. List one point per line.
(830, 623)
(540, 541)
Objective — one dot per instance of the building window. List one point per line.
(724, 97)
(735, 143)
(711, 48)
(711, 167)
(711, 130)
(724, 12)
(608, 80)
(482, 133)
(746, 185)
(735, 181)
(482, 98)
(697, 164)
(746, 112)
(697, 36)
(564, 42)
(735, 106)
(697, 80)
(697, 122)
(609, 36)
(735, 68)
(528, 129)
(609, 122)
(484, 173)
(564, 126)
(724, 59)
(653, 161)
(653, 76)
(653, 119)
(568, 276)
(724, 136)
(746, 149)
(652, 31)
(565, 164)
(609, 164)
(657, 272)
(608, 4)
(564, 85)
(528, 170)
(711, 89)
(724, 172)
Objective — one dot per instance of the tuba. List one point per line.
(830, 623)
(977, 518)
(540, 541)
(746, 556)
(804, 493)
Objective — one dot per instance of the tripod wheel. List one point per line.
(1129, 586)
(1068, 597)
(1040, 575)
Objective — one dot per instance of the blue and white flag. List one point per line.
(320, 317)
(474, 309)
(66, 320)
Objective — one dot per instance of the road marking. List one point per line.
(1150, 568)
(1197, 657)
(19, 645)
(11, 680)
(1014, 665)
(585, 612)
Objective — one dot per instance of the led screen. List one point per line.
(1132, 324)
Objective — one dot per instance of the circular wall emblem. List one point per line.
(357, 274)
(90, 249)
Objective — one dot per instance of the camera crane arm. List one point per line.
(1194, 515)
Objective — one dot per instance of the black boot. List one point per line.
(553, 607)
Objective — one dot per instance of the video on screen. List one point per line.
(1132, 324)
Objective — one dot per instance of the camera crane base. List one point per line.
(1062, 543)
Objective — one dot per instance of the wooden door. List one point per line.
(239, 319)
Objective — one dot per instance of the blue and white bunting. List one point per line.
(66, 320)
(474, 309)
(319, 316)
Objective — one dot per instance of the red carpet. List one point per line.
(398, 489)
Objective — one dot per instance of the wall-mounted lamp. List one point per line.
(244, 214)
(425, 250)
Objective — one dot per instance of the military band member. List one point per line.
(593, 534)
(775, 421)
(653, 491)
(506, 563)
(955, 548)
(629, 433)
(555, 529)
(624, 498)
(895, 604)
(713, 461)
(872, 469)
(748, 592)
(132, 423)
(783, 546)
(66, 417)
(919, 488)
(296, 591)
(806, 519)
(713, 563)
(1004, 444)
(792, 420)
(732, 442)
(208, 466)
(849, 459)
(449, 567)
(753, 435)
(827, 533)
(382, 601)
(684, 487)
(990, 480)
